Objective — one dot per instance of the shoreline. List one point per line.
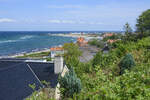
(86, 36)
(72, 35)
(27, 53)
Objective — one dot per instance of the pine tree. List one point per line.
(70, 84)
(126, 63)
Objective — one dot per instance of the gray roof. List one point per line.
(45, 71)
(15, 77)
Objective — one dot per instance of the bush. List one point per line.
(97, 59)
(93, 42)
(69, 84)
(46, 93)
(126, 63)
(98, 43)
(48, 59)
(104, 60)
(121, 49)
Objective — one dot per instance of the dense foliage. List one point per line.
(69, 84)
(143, 23)
(101, 78)
(96, 42)
(71, 54)
(105, 81)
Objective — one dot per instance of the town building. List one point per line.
(56, 51)
(107, 35)
(81, 42)
(111, 41)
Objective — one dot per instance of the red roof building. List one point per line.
(108, 34)
(111, 41)
(81, 42)
(56, 51)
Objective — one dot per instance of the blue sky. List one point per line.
(69, 15)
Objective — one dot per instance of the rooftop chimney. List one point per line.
(58, 64)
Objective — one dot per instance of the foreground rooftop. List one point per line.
(16, 75)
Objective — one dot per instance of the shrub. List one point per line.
(104, 60)
(69, 84)
(46, 93)
(98, 43)
(93, 42)
(48, 59)
(126, 63)
(97, 59)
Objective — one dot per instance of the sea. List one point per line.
(17, 42)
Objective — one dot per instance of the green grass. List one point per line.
(35, 55)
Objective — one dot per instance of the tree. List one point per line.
(129, 35)
(69, 84)
(128, 29)
(71, 54)
(126, 63)
(143, 23)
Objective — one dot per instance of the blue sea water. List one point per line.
(22, 42)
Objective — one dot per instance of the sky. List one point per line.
(69, 15)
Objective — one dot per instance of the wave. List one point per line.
(26, 37)
(7, 41)
(19, 39)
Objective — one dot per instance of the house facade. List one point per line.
(56, 51)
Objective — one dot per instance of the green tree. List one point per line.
(143, 23)
(69, 84)
(128, 32)
(126, 63)
(71, 54)
(128, 29)
(96, 42)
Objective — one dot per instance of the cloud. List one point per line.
(6, 20)
(54, 21)
(68, 22)
(66, 6)
(62, 21)
(73, 22)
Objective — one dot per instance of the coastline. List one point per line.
(86, 36)
(27, 53)
(33, 51)
(36, 51)
(72, 35)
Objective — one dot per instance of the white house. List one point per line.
(56, 51)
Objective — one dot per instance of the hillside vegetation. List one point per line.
(103, 80)
(122, 73)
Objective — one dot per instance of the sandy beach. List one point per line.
(86, 36)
